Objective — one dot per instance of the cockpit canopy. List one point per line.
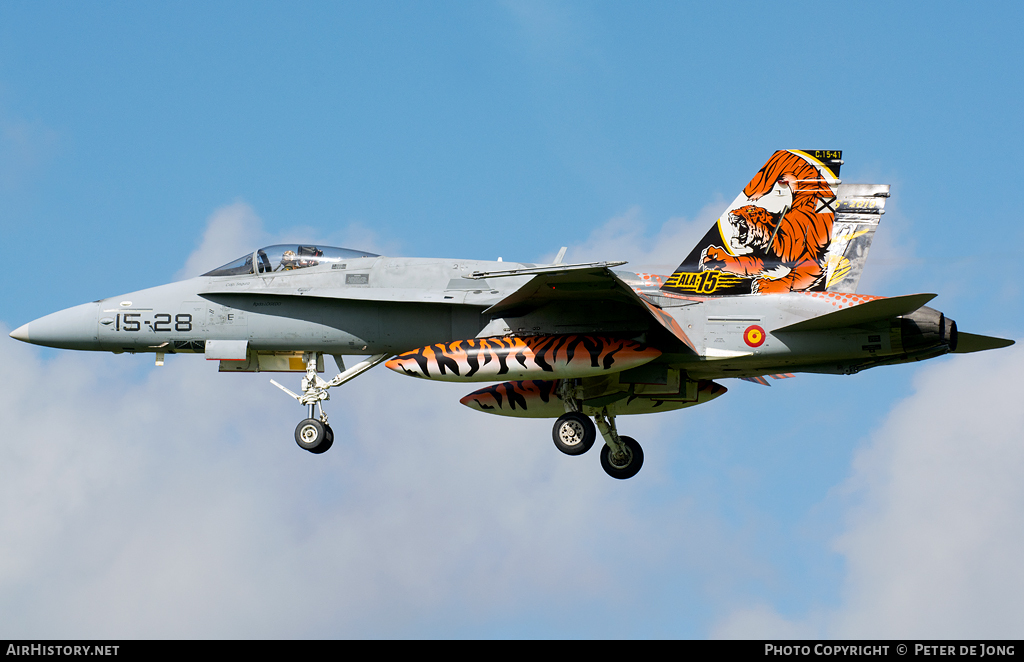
(287, 257)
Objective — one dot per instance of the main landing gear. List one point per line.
(314, 434)
(574, 434)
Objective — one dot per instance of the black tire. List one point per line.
(328, 442)
(634, 459)
(312, 435)
(573, 433)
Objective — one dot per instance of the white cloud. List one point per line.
(934, 535)
(231, 231)
(235, 229)
(163, 502)
(935, 540)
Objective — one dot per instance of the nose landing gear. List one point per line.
(314, 434)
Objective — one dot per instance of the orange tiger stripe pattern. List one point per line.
(516, 396)
(530, 357)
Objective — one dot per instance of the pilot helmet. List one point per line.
(288, 260)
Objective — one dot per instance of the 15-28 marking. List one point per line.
(161, 323)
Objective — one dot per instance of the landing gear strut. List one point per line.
(314, 434)
(621, 457)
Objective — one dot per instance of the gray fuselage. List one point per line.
(380, 305)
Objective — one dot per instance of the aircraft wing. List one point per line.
(577, 283)
(548, 285)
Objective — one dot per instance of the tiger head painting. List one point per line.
(754, 227)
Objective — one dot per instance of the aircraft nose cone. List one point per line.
(72, 328)
(21, 333)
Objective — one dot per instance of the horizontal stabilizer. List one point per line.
(870, 311)
(970, 342)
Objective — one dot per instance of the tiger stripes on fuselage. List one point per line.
(488, 359)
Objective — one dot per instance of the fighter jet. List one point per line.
(768, 292)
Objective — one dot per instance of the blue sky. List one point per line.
(143, 143)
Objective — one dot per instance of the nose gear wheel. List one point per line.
(314, 434)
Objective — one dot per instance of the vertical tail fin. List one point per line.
(794, 228)
(859, 210)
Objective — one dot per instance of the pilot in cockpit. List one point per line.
(289, 261)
